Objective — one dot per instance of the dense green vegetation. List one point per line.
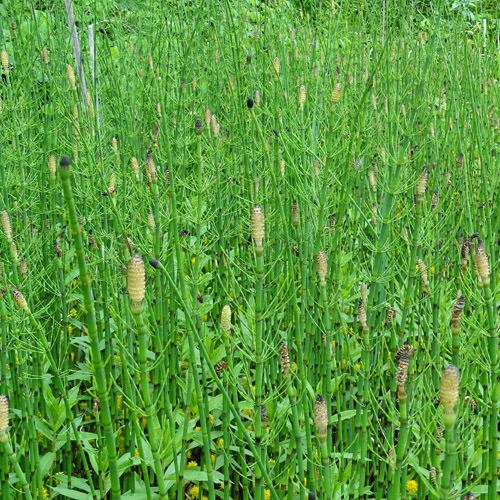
(249, 250)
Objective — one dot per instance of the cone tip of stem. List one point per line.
(65, 161)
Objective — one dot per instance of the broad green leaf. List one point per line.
(46, 463)
(66, 492)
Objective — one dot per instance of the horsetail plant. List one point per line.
(225, 324)
(400, 467)
(5, 441)
(456, 314)
(482, 268)
(88, 300)
(449, 397)
(321, 423)
(258, 234)
(136, 292)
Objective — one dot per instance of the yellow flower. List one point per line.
(411, 486)
(267, 494)
(193, 261)
(416, 267)
(192, 464)
(220, 443)
(136, 453)
(70, 329)
(72, 313)
(193, 491)
(197, 428)
(212, 458)
(432, 270)
(211, 418)
(203, 497)
(357, 366)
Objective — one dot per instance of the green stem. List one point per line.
(88, 302)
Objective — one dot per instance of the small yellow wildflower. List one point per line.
(213, 458)
(197, 428)
(203, 497)
(211, 418)
(136, 453)
(193, 491)
(357, 366)
(220, 443)
(192, 463)
(433, 270)
(267, 494)
(72, 313)
(193, 261)
(411, 487)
